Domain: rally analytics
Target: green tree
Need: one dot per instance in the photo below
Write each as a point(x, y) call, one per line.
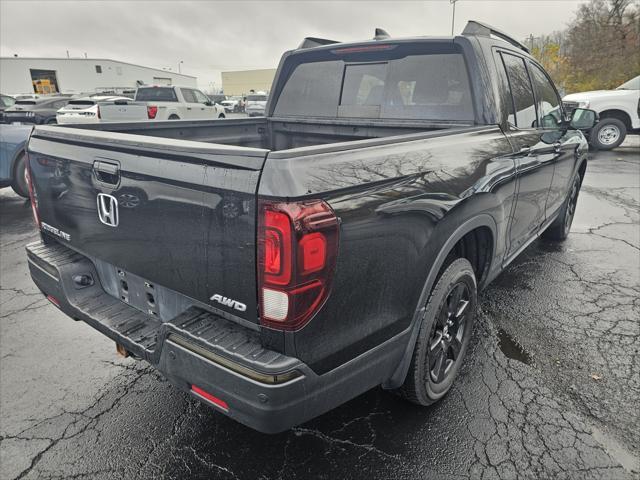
point(599, 50)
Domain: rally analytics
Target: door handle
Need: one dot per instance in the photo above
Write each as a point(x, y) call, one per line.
point(107, 172)
point(188, 108)
point(525, 149)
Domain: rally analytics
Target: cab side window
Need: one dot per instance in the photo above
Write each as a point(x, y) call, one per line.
point(188, 95)
point(549, 105)
point(200, 97)
point(521, 92)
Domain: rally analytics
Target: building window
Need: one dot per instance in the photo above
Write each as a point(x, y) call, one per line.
point(98, 68)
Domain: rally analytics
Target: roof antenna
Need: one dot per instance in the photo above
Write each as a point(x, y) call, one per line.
point(381, 34)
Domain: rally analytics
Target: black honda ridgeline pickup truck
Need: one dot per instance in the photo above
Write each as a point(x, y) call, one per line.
point(276, 267)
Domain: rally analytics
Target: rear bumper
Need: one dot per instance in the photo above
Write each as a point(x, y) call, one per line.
point(198, 348)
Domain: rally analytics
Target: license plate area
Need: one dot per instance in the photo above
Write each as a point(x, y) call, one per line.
point(137, 292)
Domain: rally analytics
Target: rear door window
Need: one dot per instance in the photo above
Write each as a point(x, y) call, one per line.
point(521, 92)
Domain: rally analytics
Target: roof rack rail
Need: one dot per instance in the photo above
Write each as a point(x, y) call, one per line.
point(482, 29)
point(311, 42)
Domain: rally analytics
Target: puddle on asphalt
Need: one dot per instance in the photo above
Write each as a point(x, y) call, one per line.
point(512, 349)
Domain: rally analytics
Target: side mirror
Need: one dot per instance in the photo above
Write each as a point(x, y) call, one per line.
point(208, 103)
point(583, 119)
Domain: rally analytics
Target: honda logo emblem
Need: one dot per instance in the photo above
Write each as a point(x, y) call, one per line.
point(108, 209)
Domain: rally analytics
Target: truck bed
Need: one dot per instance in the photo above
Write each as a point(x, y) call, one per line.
point(273, 134)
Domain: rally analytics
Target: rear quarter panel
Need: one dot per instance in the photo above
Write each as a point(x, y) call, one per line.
point(398, 204)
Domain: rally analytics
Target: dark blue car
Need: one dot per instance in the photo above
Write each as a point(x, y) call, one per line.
point(13, 139)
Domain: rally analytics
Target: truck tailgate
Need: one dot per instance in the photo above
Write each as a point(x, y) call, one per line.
point(175, 213)
point(123, 111)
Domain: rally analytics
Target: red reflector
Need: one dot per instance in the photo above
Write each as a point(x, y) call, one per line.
point(313, 248)
point(53, 300)
point(152, 111)
point(207, 396)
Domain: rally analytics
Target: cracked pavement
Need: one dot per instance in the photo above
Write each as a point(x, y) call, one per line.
point(565, 407)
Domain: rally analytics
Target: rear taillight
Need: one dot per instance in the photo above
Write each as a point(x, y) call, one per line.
point(297, 251)
point(98, 111)
point(152, 111)
point(33, 196)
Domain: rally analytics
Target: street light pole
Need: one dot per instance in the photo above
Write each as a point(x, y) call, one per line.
point(453, 18)
point(180, 63)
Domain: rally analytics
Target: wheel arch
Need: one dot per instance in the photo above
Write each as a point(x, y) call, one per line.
point(481, 221)
point(16, 156)
point(619, 114)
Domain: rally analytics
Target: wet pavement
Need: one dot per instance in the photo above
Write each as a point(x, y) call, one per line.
point(549, 388)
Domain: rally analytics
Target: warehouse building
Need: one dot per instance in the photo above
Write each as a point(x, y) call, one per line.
point(242, 82)
point(56, 75)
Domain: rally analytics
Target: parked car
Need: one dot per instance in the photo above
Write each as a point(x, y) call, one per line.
point(256, 104)
point(389, 182)
point(27, 96)
point(13, 140)
point(619, 112)
point(163, 103)
point(36, 111)
point(5, 102)
point(86, 109)
point(230, 106)
point(217, 98)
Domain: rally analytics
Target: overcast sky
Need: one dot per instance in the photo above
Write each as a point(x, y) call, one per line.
point(213, 36)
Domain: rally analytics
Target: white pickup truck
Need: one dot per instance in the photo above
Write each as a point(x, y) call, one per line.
point(619, 112)
point(162, 103)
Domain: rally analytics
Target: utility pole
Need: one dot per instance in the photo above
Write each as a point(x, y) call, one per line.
point(453, 18)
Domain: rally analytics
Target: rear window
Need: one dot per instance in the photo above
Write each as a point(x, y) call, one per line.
point(431, 86)
point(155, 94)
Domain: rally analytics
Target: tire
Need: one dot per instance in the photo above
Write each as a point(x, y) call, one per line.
point(19, 184)
point(221, 115)
point(435, 364)
point(608, 133)
point(559, 230)
point(51, 121)
point(173, 116)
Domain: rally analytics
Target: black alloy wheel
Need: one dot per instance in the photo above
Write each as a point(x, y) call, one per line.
point(444, 335)
point(570, 209)
point(448, 331)
point(561, 226)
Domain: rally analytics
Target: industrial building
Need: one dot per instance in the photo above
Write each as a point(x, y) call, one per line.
point(242, 82)
point(52, 75)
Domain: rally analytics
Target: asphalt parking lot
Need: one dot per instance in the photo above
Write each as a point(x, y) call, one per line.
point(549, 390)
